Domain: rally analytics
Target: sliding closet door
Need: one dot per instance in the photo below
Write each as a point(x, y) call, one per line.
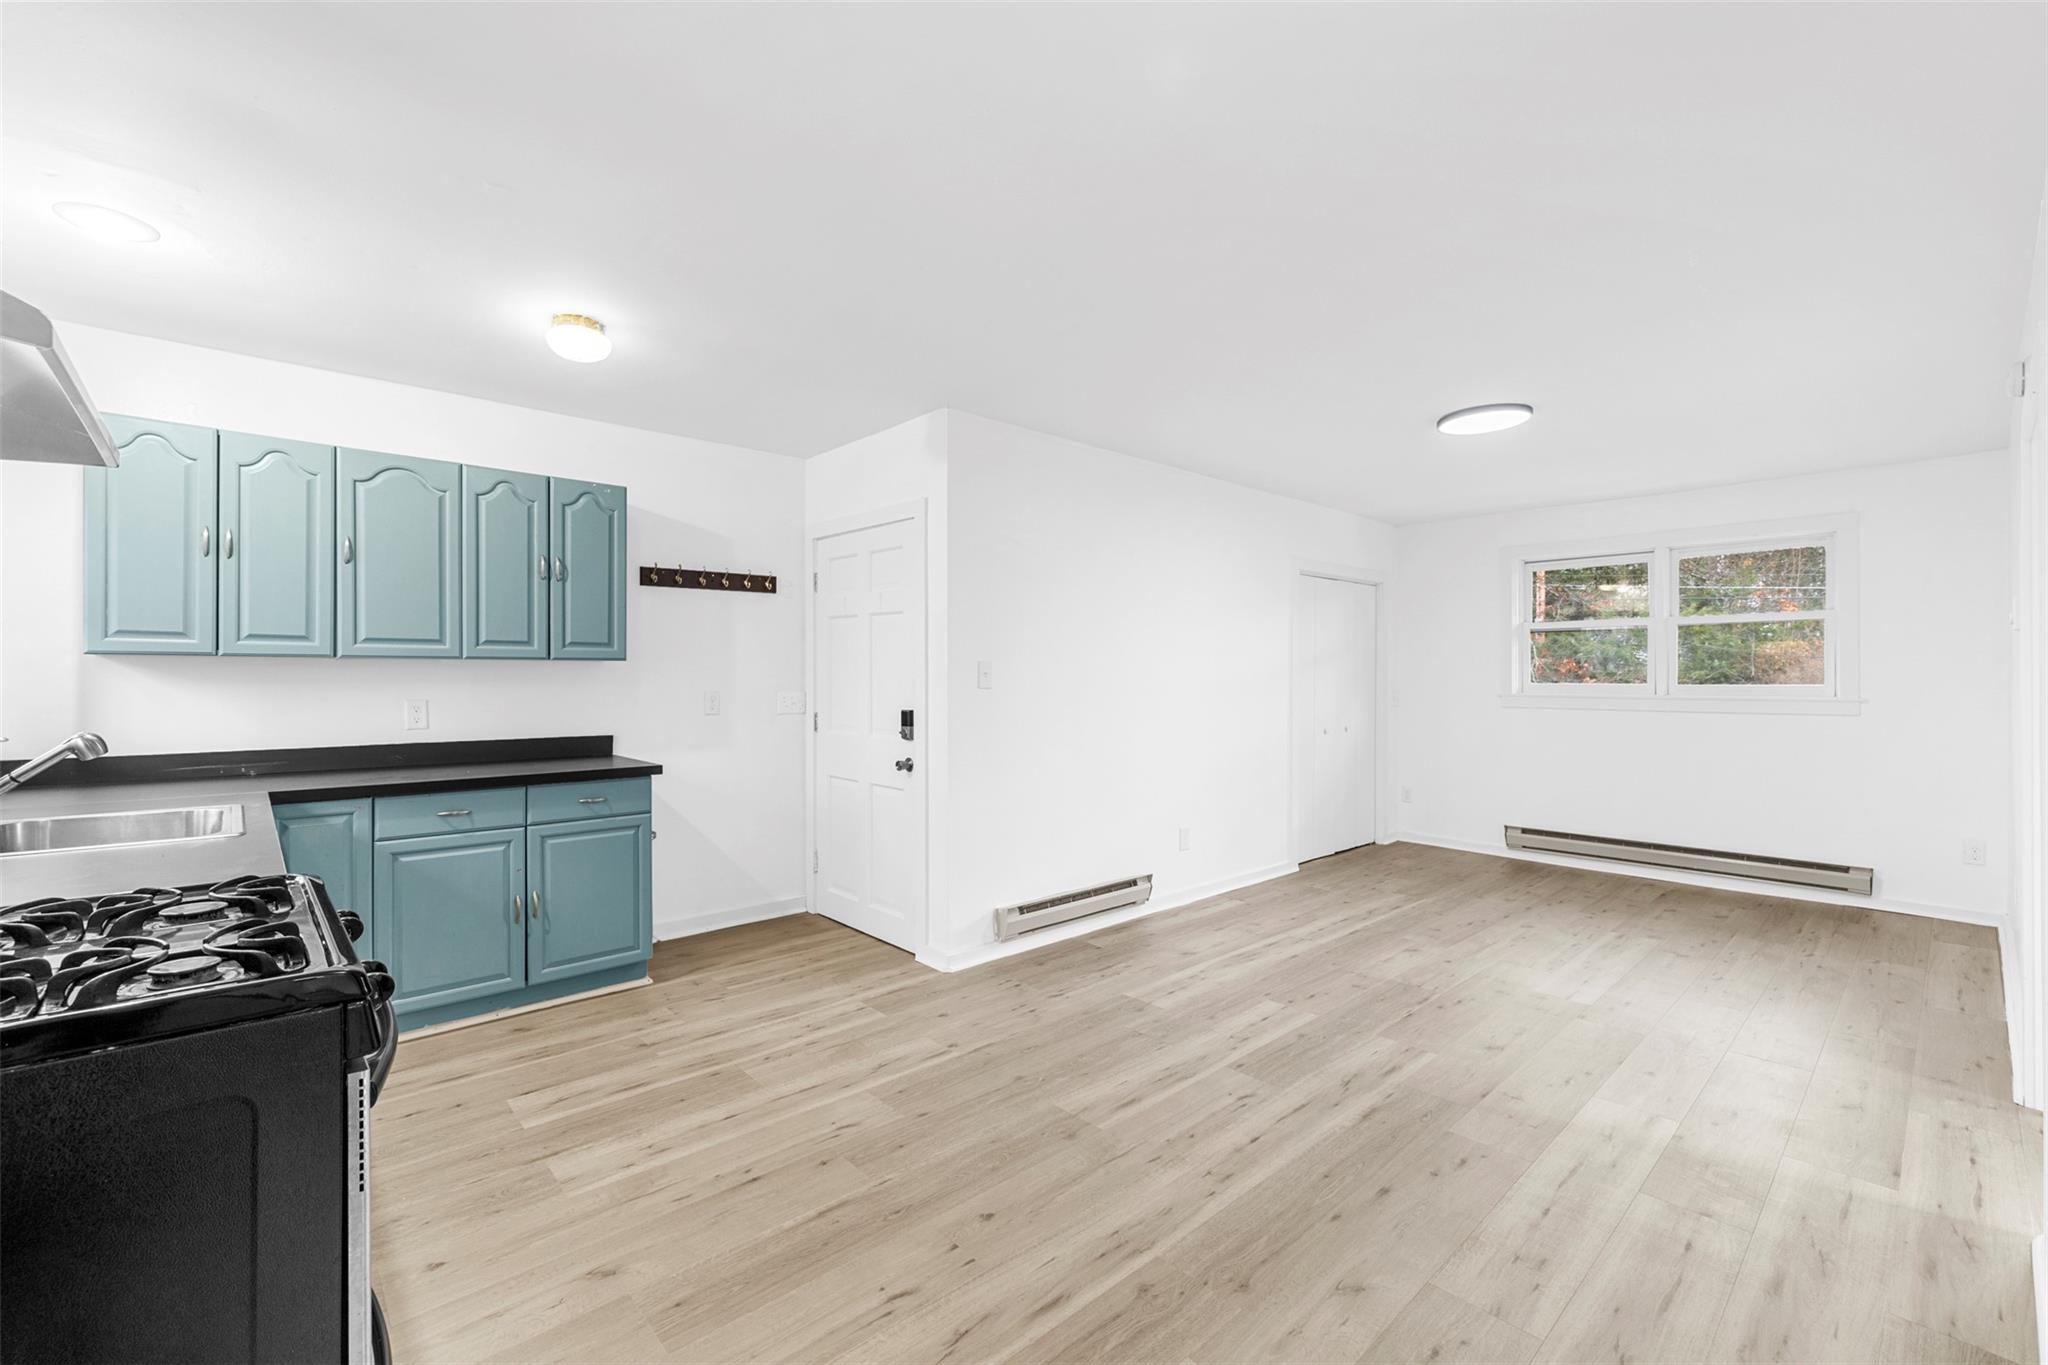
point(1336, 627)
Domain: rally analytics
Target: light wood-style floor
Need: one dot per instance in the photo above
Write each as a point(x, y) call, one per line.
point(1406, 1105)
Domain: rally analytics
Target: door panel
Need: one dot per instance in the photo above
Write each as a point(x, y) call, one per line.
point(277, 546)
point(506, 573)
point(869, 813)
point(400, 526)
point(331, 840)
point(587, 538)
point(1335, 780)
point(591, 897)
point(446, 921)
point(149, 541)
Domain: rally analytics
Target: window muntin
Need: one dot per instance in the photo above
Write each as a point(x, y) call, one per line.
point(1740, 619)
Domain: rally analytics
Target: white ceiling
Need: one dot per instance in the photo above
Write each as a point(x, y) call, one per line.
point(1269, 243)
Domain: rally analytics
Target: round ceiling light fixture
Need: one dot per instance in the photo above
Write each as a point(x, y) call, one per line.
point(1484, 418)
point(573, 336)
point(109, 225)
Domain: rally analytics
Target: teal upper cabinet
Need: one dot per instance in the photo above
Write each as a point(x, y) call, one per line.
point(215, 542)
point(399, 521)
point(276, 546)
point(587, 531)
point(149, 542)
point(331, 840)
point(592, 900)
point(506, 569)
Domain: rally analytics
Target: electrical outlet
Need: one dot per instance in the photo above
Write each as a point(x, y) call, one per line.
point(1186, 838)
point(789, 703)
point(415, 715)
point(711, 704)
point(1407, 795)
point(984, 675)
point(1974, 852)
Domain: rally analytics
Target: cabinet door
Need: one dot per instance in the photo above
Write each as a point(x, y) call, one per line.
point(506, 571)
point(149, 541)
point(331, 840)
point(449, 911)
point(399, 521)
point(587, 527)
point(592, 896)
point(276, 546)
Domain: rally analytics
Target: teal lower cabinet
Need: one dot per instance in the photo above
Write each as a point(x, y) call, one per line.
point(552, 896)
point(450, 913)
point(331, 840)
point(589, 886)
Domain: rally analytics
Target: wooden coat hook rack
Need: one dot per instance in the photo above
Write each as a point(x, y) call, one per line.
point(711, 580)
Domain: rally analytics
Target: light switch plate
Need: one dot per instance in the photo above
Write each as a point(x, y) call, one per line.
point(415, 715)
point(789, 703)
point(984, 675)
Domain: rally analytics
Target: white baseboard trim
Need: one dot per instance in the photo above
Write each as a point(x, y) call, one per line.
point(1953, 914)
point(682, 926)
point(989, 952)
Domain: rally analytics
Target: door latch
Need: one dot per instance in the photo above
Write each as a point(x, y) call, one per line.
point(904, 765)
point(908, 725)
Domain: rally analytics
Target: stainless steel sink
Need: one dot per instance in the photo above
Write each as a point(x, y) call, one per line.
point(118, 829)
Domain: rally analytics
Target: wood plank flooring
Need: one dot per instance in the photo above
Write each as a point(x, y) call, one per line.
point(1406, 1105)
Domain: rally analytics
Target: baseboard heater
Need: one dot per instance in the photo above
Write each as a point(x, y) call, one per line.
point(1791, 871)
point(1013, 920)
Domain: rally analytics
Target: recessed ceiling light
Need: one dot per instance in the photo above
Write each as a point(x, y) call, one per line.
point(1484, 418)
point(573, 336)
point(109, 225)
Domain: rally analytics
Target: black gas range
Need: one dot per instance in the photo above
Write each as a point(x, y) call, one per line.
point(188, 1074)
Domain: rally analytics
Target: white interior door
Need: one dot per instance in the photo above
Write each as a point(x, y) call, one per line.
point(1336, 630)
point(868, 799)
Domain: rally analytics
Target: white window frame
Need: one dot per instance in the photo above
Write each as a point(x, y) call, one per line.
point(1839, 694)
point(1528, 628)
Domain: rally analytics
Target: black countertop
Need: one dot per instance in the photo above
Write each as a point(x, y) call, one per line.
point(254, 780)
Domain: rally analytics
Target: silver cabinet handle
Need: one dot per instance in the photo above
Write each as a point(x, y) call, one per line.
point(543, 568)
point(536, 909)
point(590, 800)
point(558, 568)
point(205, 541)
point(450, 814)
point(515, 907)
point(227, 543)
point(348, 549)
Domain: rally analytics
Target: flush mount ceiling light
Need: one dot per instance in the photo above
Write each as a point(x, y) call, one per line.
point(573, 336)
point(109, 225)
point(1484, 418)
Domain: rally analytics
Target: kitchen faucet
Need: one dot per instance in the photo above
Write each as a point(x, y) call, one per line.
point(83, 746)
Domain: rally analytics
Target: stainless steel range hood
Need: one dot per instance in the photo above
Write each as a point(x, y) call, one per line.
point(45, 413)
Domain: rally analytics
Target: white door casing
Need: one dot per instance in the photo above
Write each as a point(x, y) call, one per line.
point(868, 793)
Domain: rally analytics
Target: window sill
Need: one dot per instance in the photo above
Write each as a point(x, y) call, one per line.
point(1753, 706)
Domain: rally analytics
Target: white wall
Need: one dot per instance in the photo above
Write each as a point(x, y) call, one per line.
point(728, 809)
point(1137, 620)
point(1899, 787)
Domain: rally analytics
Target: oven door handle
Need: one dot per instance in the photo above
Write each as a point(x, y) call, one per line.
point(383, 986)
